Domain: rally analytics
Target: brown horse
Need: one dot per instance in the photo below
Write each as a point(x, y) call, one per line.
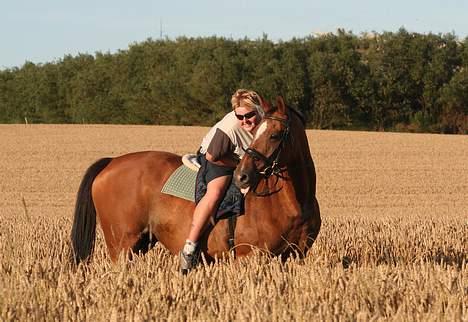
point(281, 211)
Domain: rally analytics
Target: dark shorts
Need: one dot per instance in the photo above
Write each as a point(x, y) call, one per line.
point(233, 200)
point(212, 171)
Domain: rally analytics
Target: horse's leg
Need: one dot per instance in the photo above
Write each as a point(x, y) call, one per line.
point(124, 236)
point(122, 210)
point(146, 241)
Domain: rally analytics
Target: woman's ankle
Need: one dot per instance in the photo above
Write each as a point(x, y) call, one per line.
point(190, 247)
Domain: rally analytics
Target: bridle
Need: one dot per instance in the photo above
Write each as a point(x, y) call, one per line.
point(271, 164)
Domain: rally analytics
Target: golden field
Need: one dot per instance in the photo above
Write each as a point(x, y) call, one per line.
point(394, 208)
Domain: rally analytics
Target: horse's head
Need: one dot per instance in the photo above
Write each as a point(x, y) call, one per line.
point(266, 154)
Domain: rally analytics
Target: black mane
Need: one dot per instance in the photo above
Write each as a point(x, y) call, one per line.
point(299, 114)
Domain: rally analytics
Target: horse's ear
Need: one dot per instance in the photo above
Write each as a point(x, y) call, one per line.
point(264, 104)
point(280, 105)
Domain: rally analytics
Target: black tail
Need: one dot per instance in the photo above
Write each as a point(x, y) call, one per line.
point(84, 223)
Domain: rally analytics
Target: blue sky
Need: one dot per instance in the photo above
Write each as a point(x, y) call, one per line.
point(46, 30)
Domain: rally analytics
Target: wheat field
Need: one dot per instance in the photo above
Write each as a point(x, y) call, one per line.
point(393, 244)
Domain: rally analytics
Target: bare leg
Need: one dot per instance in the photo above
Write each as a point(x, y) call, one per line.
point(207, 206)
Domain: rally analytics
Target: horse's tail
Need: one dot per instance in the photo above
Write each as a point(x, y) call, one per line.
point(84, 222)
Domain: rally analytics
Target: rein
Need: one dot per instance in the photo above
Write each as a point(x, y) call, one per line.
point(271, 163)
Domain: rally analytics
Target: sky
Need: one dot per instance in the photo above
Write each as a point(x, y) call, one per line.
point(46, 30)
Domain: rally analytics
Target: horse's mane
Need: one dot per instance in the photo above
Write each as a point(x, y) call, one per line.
point(298, 114)
point(290, 111)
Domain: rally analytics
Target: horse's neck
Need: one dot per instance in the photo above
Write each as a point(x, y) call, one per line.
point(301, 176)
point(296, 176)
point(291, 193)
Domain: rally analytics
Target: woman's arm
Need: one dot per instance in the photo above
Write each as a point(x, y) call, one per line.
point(228, 160)
point(220, 150)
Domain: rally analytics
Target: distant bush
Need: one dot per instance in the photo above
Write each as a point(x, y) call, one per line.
point(389, 81)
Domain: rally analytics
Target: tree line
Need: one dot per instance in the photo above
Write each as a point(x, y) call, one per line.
point(398, 81)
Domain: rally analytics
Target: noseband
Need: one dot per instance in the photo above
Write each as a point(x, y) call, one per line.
point(271, 163)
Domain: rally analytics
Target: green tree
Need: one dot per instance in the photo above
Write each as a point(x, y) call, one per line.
point(332, 68)
point(443, 60)
point(454, 102)
point(294, 84)
point(8, 109)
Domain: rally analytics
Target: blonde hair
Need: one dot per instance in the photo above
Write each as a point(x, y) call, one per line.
point(247, 98)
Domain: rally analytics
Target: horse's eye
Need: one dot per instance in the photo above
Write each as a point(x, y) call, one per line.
point(275, 136)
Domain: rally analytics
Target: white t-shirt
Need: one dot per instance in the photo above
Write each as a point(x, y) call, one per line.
point(226, 137)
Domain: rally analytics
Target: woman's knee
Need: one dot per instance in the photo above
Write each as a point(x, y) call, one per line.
point(217, 187)
point(214, 193)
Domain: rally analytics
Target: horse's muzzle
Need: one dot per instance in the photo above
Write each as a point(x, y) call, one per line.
point(244, 179)
point(241, 180)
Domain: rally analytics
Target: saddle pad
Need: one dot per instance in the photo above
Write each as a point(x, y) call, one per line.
point(181, 183)
point(191, 161)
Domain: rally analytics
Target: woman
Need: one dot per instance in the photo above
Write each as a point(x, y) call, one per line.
point(221, 151)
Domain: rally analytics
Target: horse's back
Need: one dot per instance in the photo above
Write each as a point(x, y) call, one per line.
point(154, 166)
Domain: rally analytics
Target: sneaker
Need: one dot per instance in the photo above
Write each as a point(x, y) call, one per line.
point(188, 261)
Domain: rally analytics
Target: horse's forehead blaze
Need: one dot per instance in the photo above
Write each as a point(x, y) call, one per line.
point(261, 129)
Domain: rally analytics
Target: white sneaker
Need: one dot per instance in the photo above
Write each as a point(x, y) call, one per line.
point(188, 261)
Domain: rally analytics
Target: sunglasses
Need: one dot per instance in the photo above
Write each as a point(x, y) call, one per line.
point(246, 115)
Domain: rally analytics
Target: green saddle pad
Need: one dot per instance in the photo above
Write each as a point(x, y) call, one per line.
point(181, 183)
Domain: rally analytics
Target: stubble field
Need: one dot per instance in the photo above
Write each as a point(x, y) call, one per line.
point(394, 209)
